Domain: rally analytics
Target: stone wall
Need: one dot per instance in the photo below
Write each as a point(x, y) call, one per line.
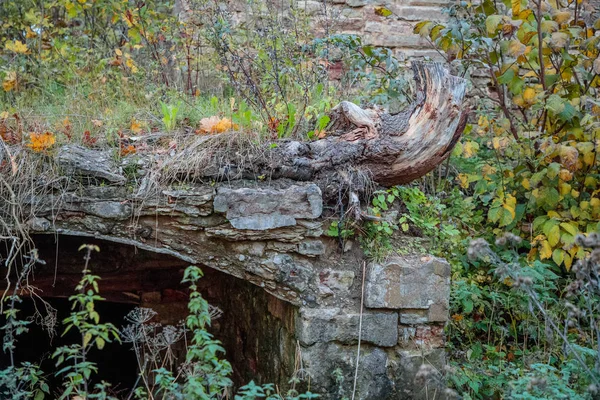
point(269, 234)
point(359, 17)
point(396, 31)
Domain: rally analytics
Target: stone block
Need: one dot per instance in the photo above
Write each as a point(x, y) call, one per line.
point(422, 336)
point(414, 317)
point(408, 282)
point(37, 224)
point(333, 325)
point(419, 13)
point(406, 367)
point(263, 209)
point(108, 209)
point(80, 161)
point(438, 313)
point(321, 359)
point(311, 248)
point(336, 280)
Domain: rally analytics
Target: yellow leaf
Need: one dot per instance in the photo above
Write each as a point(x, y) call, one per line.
point(470, 149)
point(518, 100)
point(500, 143)
point(41, 141)
point(10, 81)
point(224, 125)
point(526, 184)
point(553, 214)
point(568, 260)
point(86, 339)
point(30, 34)
point(545, 250)
point(118, 52)
point(516, 7)
point(568, 157)
point(516, 48)
point(562, 17)
point(549, 26)
point(463, 180)
point(135, 126)
point(529, 95)
point(131, 65)
point(564, 188)
point(554, 235)
point(565, 175)
point(16, 46)
point(589, 158)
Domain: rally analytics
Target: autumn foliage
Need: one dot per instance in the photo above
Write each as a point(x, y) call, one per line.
point(531, 158)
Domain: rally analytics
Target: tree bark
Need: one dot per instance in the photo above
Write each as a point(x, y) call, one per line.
point(389, 148)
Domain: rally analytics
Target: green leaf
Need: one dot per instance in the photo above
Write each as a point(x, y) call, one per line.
point(558, 256)
point(492, 22)
point(570, 227)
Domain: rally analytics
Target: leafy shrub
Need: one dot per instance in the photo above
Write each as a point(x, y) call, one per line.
point(531, 160)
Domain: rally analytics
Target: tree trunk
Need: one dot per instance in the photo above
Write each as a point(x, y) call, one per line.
point(390, 149)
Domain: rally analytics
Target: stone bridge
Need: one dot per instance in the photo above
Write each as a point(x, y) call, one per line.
point(295, 302)
point(291, 295)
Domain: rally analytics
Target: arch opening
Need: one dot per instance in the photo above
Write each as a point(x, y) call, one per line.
point(255, 328)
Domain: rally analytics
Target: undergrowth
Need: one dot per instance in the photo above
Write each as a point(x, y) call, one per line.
point(204, 374)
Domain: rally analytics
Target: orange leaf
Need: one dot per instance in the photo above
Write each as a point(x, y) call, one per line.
point(214, 124)
point(136, 126)
point(41, 141)
point(130, 149)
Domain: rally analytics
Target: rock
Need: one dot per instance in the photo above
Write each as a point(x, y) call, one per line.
point(438, 313)
point(263, 209)
point(288, 234)
point(37, 224)
point(322, 359)
point(328, 325)
point(422, 336)
point(194, 196)
point(414, 317)
point(79, 161)
point(336, 280)
point(108, 209)
point(311, 248)
point(358, 3)
point(408, 282)
point(406, 368)
point(292, 273)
